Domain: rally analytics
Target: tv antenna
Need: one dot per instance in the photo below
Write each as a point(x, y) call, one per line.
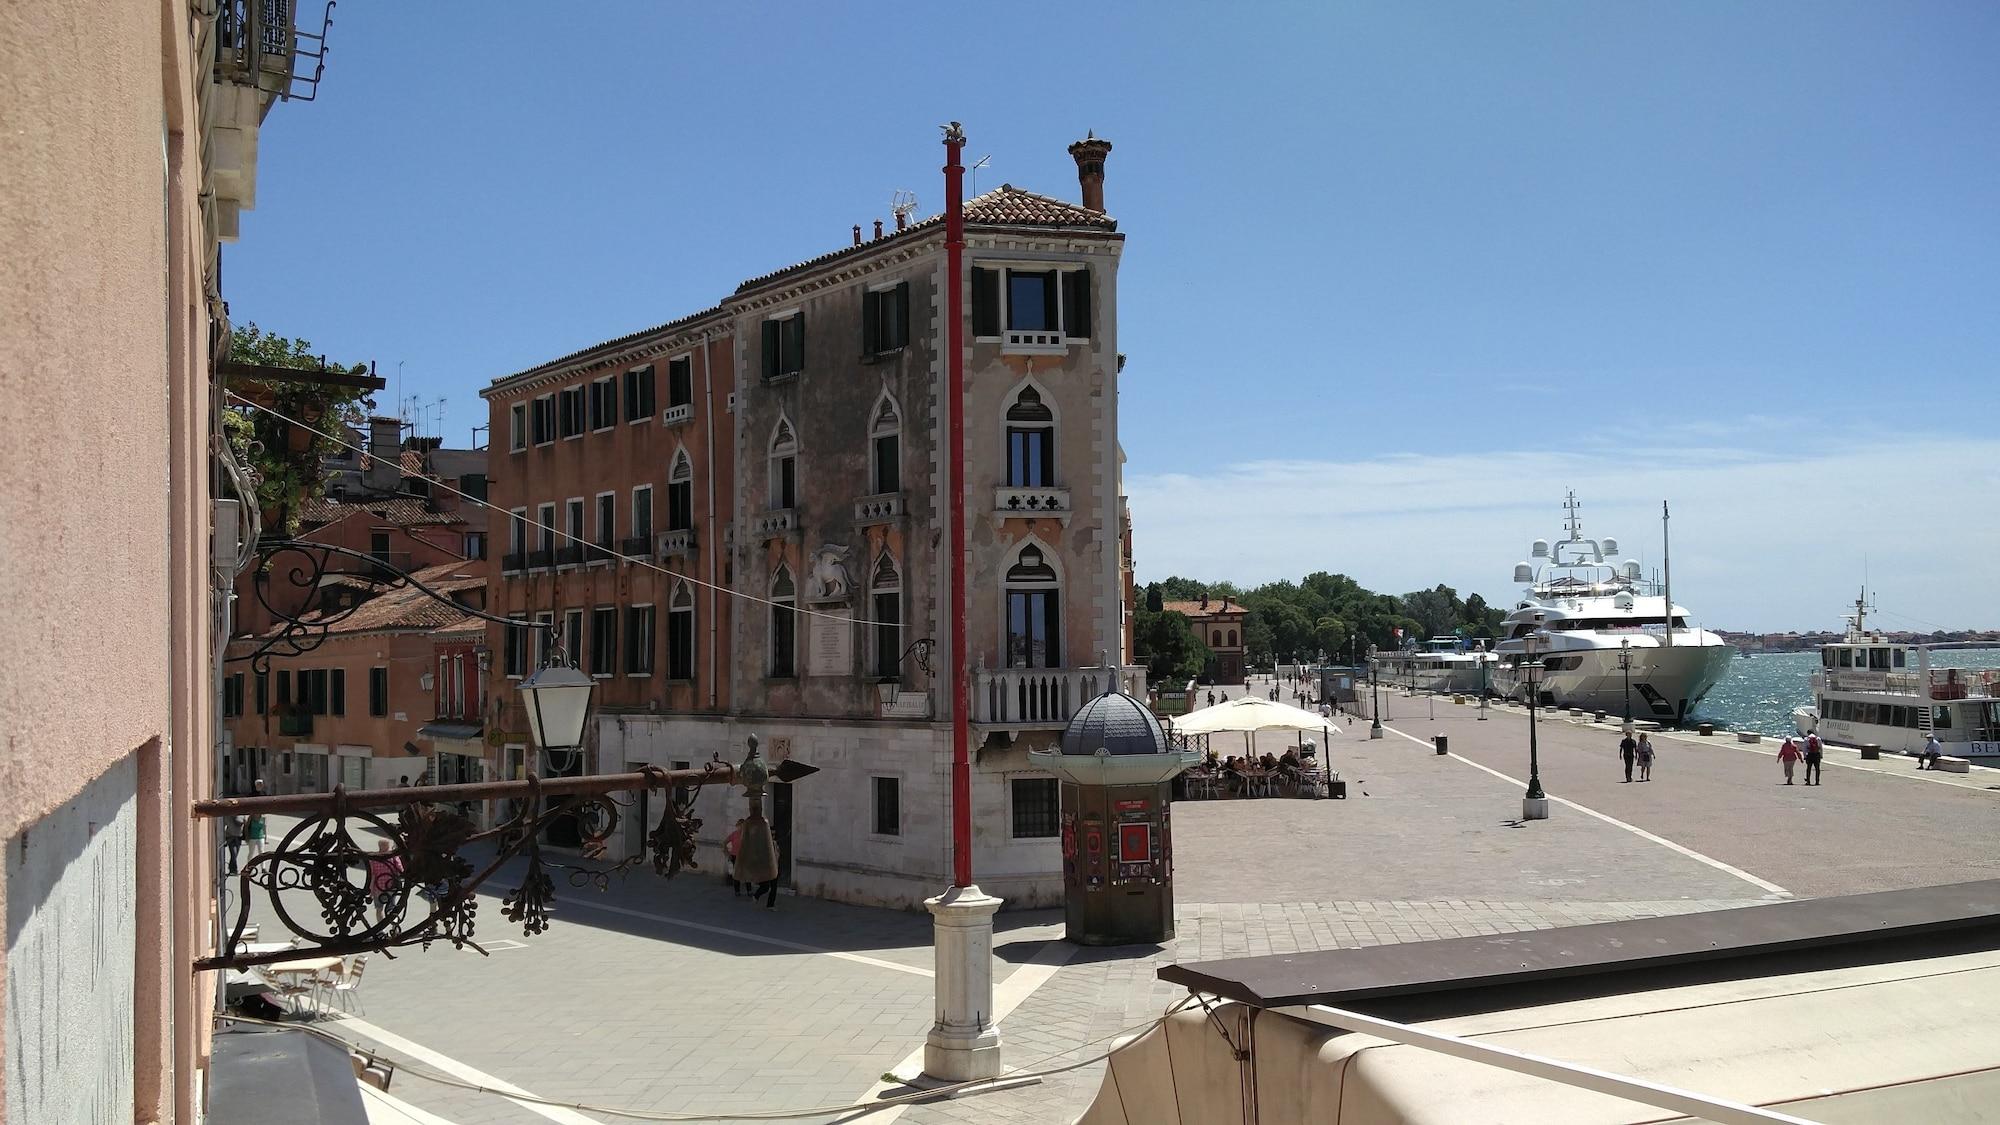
point(976, 166)
point(902, 204)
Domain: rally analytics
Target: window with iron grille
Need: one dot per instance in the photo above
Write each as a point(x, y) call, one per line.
point(1037, 807)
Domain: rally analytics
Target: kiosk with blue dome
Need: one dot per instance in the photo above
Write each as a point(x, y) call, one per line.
point(1117, 770)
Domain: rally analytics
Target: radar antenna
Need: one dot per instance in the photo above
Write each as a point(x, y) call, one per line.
point(1572, 521)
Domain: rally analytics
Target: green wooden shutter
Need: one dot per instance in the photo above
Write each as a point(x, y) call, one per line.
point(795, 342)
point(985, 302)
point(770, 349)
point(1076, 303)
point(902, 333)
point(871, 321)
point(1052, 299)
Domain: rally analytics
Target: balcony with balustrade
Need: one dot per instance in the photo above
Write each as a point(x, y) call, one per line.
point(1032, 503)
point(1017, 699)
point(677, 544)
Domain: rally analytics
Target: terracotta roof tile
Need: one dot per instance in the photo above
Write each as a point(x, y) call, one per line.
point(411, 608)
point(403, 511)
point(1216, 606)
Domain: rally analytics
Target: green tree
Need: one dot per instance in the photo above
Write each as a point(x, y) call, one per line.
point(1154, 601)
point(1178, 589)
point(1166, 643)
point(285, 459)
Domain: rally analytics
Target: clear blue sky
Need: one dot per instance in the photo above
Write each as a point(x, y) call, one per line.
point(1396, 273)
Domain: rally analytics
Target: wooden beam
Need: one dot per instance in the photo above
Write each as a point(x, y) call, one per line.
point(325, 377)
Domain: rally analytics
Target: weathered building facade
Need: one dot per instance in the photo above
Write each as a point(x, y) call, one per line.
point(821, 483)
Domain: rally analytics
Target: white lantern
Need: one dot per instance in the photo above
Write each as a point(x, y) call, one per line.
point(558, 701)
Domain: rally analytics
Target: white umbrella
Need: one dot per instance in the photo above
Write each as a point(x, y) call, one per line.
point(1251, 714)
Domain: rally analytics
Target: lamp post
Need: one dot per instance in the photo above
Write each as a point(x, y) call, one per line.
point(1374, 695)
point(1625, 667)
point(1536, 804)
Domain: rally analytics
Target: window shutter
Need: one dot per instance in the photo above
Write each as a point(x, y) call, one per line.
point(1052, 299)
point(902, 334)
point(1076, 303)
point(985, 302)
point(770, 349)
point(339, 691)
point(871, 322)
point(795, 342)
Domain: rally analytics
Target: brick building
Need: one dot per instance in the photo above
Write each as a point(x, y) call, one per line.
point(738, 516)
point(1219, 624)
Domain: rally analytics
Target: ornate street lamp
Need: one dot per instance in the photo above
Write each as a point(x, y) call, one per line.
point(1625, 666)
point(1536, 804)
point(1374, 695)
point(557, 698)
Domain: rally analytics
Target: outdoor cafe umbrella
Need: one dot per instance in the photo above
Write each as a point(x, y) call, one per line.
point(1250, 714)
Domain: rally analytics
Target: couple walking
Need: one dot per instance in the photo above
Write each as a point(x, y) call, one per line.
point(1789, 755)
point(1638, 753)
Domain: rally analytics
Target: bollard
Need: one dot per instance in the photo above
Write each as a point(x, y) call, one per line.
point(1600, 715)
point(1439, 741)
point(1749, 736)
point(1705, 729)
point(1870, 752)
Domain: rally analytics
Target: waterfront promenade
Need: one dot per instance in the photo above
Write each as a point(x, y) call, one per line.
point(670, 996)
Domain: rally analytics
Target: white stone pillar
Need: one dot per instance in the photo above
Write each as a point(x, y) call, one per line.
point(964, 1044)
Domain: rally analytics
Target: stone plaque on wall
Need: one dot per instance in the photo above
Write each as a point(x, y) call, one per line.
point(830, 647)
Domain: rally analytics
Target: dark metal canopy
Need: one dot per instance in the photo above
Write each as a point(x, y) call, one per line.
point(1117, 723)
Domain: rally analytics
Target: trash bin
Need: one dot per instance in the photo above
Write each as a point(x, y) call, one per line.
point(1439, 741)
point(1871, 752)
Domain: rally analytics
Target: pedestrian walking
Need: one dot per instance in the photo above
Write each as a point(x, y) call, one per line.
point(1933, 750)
point(1645, 758)
point(729, 847)
point(1211, 699)
point(1814, 753)
point(1628, 751)
point(255, 829)
point(1788, 757)
point(232, 838)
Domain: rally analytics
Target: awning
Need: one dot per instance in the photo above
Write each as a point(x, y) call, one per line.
point(451, 730)
point(277, 1076)
point(1249, 713)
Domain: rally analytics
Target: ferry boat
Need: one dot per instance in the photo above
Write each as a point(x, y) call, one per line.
point(1604, 636)
point(1874, 691)
point(1447, 664)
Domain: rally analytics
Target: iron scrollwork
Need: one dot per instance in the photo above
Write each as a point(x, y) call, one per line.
point(339, 895)
point(292, 584)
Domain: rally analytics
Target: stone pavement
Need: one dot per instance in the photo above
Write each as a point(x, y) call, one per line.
point(673, 997)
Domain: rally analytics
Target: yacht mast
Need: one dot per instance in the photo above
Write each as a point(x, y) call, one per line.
point(1667, 568)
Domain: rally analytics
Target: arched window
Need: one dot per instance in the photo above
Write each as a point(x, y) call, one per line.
point(784, 466)
point(784, 624)
point(1034, 612)
point(680, 493)
point(1215, 639)
point(886, 588)
point(680, 633)
point(1031, 442)
point(1232, 638)
point(886, 447)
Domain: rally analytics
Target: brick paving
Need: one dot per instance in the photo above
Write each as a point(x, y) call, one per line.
point(657, 995)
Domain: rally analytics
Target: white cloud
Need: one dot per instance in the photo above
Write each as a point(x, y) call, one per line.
point(1772, 528)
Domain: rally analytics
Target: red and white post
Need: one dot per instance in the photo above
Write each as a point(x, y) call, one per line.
point(964, 1043)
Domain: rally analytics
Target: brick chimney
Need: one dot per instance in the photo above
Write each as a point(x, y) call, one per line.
point(384, 471)
point(1090, 153)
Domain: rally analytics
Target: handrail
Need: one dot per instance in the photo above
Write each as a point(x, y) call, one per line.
point(1639, 1090)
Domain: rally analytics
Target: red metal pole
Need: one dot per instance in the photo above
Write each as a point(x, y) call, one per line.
point(961, 673)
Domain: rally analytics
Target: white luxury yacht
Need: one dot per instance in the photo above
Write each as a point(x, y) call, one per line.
point(1587, 610)
point(1448, 664)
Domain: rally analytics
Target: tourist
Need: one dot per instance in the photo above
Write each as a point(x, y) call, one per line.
point(1326, 711)
point(729, 846)
point(1211, 699)
point(254, 830)
point(1933, 750)
point(383, 869)
point(1788, 757)
point(1814, 753)
point(1628, 751)
point(232, 838)
point(1645, 758)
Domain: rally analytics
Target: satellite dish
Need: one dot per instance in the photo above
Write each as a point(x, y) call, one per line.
point(1541, 549)
point(1611, 546)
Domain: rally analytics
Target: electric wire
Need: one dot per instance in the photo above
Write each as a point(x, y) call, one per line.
point(560, 533)
point(858, 1108)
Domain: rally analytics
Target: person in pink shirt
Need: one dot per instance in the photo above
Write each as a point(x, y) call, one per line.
point(1788, 757)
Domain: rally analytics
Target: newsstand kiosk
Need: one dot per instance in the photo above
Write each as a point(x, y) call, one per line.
point(1117, 774)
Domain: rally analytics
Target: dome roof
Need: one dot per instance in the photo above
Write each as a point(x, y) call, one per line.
point(1118, 723)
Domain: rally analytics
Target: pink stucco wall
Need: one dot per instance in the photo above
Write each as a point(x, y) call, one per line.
point(103, 478)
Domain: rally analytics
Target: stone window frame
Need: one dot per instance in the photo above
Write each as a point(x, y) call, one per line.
point(787, 601)
point(681, 600)
point(885, 407)
point(1008, 424)
point(784, 444)
point(877, 587)
point(875, 809)
point(680, 471)
point(1007, 586)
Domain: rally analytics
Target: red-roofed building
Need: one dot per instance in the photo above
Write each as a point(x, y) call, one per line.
point(738, 517)
point(1219, 624)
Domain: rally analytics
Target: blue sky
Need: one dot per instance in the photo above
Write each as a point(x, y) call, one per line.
point(1396, 275)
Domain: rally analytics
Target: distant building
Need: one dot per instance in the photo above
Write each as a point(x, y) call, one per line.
point(1219, 624)
point(738, 518)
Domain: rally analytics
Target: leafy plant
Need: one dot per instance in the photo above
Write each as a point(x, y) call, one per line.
point(285, 459)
